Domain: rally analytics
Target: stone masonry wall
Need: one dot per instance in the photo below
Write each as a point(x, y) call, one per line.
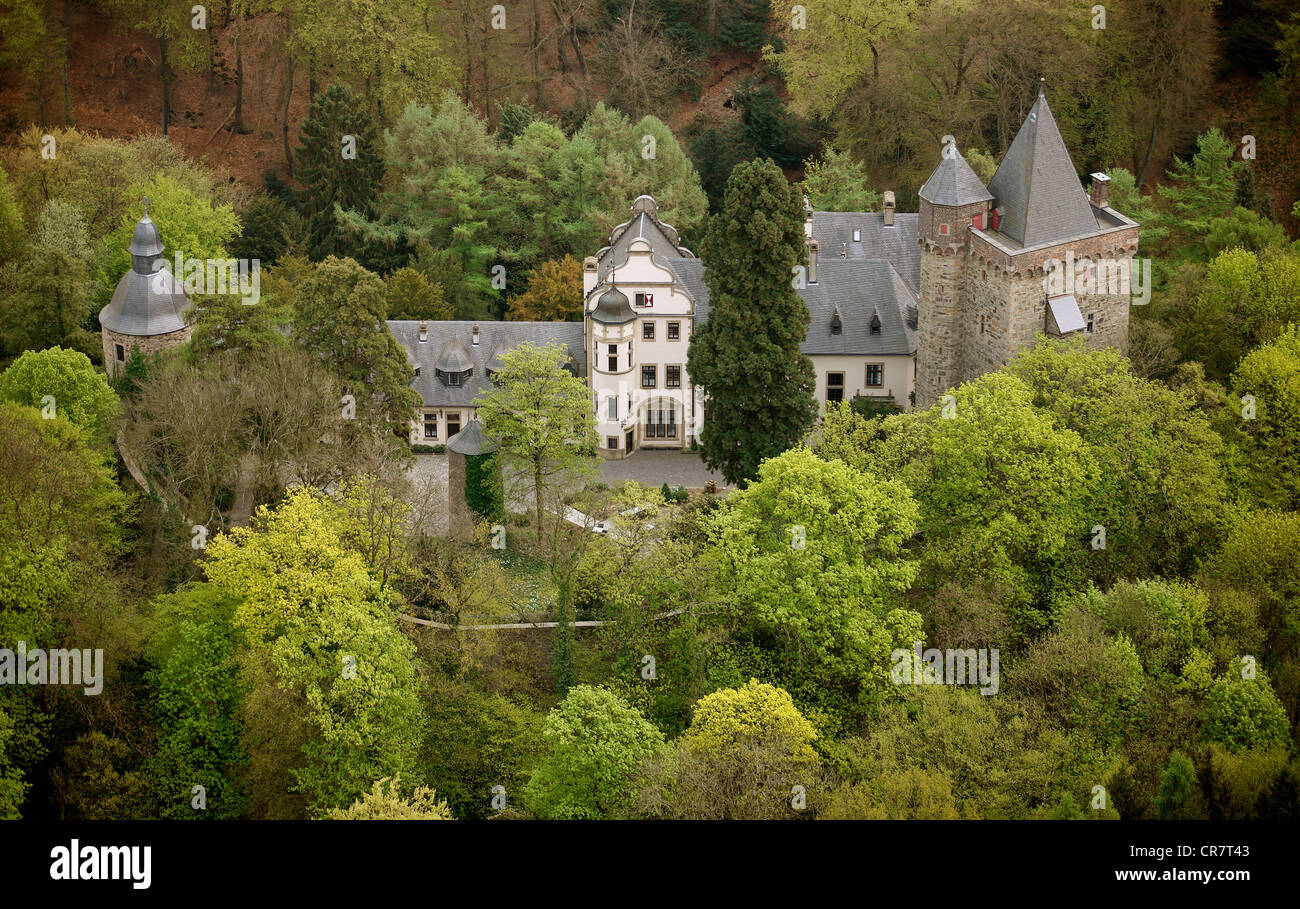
point(147, 345)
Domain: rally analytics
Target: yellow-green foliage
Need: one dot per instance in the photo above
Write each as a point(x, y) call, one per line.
point(387, 803)
point(728, 721)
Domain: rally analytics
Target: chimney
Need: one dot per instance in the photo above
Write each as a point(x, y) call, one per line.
point(475, 335)
point(812, 263)
point(889, 208)
point(424, 331)
point(1100, 190)
point(807, 218)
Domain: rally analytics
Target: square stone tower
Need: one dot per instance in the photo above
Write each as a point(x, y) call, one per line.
point(1032, 254)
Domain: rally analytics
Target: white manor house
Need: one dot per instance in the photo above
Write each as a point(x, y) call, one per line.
point(645, 293)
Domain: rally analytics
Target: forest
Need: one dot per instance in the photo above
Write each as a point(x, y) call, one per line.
point(284, 636)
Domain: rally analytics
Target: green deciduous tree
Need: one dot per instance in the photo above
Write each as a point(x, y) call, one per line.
point(196, 697)
point(836, 182)
point(1004, 495)
point(388, 803)
point(49, 289)
point(1271, 376)
point(744, 754)
point(597, 744)
point(541, 416)
point(412, 296)
point(79, 391)
point(1243, 714)
point(811, 564)
point(323, 628)
point(1161, 490)
point(188, 223)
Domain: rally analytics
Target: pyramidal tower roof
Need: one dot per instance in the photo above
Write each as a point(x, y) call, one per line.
point(1037, 187)
point(471, 440)
point(954, 183)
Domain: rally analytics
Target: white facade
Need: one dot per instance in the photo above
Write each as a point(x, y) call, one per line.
point(885, 378)
point(642, 394)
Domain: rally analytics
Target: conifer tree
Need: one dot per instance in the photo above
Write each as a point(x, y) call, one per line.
point(758, 384)
point(339, 165)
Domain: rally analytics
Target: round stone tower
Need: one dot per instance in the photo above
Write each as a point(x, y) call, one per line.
point(950, 201)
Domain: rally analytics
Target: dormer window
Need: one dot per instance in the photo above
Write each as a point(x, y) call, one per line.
point(417, 372)
point(857, 235)
point(875, 323)
point(837, 324)
point(454, 379)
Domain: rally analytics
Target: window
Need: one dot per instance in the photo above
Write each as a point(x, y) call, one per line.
point(430, 426)
point(417, 371)
point(875, 375)
point(981, 325)
point(674, 331)
point(611, 442)
point(875, 323)
point(661, 420)
point(857, 235)
point(1090, 315)
point(649, 376)
point(672, 377)
point(644, 299)
point(613, 408)
point(453, 378)
point(613, 358)
point(120, 352)
point(647, 331)
point(834, 386)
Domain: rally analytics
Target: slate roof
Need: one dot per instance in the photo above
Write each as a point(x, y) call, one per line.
point(146, 301)
point(857, 288)
point(470, 441)
point(643, 226)
point(613, 308)
point(1037, 188)
point(146, 305)
point(494, 337)
point(145, 240)
point(833, 232)
point(954, 183)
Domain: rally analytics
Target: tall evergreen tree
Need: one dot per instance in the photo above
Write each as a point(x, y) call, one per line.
point(337, 171)
point(758, 385)
point(338, 317)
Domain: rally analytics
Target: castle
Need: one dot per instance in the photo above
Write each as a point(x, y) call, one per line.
point(986, 253)
point(903, 306)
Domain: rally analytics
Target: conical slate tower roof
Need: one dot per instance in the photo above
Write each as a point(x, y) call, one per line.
point(1037, 187)
point(954, 183)
point(470, 441)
